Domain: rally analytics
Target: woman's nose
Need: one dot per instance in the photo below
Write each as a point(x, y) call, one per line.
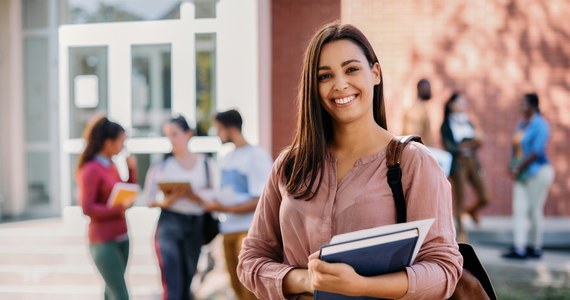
point(340, 83)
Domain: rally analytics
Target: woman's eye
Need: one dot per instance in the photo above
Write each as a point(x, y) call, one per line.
point(351, 70)
point(324, 76)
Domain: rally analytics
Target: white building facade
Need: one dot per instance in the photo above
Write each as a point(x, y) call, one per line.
point(138, 62)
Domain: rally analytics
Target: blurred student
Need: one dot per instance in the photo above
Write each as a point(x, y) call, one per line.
point(178, 238)
point(460, 138)
point(96, 177)
point(416, 118)
point(244, 172)
point(533, 175)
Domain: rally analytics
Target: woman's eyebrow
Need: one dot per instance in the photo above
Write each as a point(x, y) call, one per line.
point(349, 61)
point(342, 64)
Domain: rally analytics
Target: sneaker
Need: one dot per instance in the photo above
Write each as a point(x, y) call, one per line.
point(513, 253)
point(532, 252)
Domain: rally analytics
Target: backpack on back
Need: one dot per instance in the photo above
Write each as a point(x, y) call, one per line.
point(474, 282)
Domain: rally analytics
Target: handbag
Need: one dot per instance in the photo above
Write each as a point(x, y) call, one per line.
point(210, 228)
point(474, 282)
point(210, 224)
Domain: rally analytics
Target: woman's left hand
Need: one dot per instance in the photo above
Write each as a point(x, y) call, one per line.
point(213, 206)
point(334, 277)
point(194, 197)
point(515, 172)
point(131, 162)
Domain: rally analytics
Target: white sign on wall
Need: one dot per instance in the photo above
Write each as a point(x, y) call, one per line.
point(86, 91)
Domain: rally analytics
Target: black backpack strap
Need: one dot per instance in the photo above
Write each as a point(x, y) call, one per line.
point(393, 155)
point(207, 169)
point(478, 283)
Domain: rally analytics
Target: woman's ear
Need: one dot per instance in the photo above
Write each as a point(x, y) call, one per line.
point(189, 134)
point(107, 144)
point(377, 73)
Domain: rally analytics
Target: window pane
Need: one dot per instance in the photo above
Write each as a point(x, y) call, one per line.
point(205, 81)
point(151, 89)
point(144, 162)
point(86, 61)
point(36, 89)
point(102, 11)
point(38, 178)
point(205, 9)
point(35, 14)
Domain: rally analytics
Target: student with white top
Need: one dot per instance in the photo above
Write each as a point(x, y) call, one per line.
point(244, 173)
point(178, 238)
point(462, 139)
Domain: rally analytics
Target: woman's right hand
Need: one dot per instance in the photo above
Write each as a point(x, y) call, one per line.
point(131, 163)
point(169, 200)
point(128, 204)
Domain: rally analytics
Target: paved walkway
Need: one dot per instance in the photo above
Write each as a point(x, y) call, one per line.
point(547, 278)
point(49, 259)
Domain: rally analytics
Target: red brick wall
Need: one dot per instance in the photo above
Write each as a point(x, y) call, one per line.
point(493, 50)
point(292, 25)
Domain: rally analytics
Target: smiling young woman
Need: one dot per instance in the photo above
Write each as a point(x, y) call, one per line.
point(332, 180)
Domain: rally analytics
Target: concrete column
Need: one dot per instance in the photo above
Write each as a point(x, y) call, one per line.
point(3, 99)
point(12, 151)
point(264, 72)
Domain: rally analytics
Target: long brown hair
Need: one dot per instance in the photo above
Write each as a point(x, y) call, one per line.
point(98, 130)
point(303, 162)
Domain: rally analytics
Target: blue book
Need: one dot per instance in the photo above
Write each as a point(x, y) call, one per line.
point(376, 251)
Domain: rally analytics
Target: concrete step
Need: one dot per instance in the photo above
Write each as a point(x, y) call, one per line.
point(80, 274)
point(78, 258)
point(68, 292)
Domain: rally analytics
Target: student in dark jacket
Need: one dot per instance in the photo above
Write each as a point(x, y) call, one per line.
point(460, 137)
point(96, 176)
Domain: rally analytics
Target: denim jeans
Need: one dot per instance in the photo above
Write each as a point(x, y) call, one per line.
point(111, 261)
point(178, 242)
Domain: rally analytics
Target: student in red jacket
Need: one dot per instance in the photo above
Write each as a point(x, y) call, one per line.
point(96, 176)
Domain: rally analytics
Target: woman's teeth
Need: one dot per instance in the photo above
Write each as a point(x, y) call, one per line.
point(345, 100)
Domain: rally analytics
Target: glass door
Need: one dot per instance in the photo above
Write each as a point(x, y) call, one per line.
point(140, 73)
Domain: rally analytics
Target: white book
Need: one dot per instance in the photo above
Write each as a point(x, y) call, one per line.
point(368, 242)
point(422, 227)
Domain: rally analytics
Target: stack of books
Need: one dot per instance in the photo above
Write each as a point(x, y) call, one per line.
point(375, 251)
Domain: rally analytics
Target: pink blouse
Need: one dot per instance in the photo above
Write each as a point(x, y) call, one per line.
point(285, 231)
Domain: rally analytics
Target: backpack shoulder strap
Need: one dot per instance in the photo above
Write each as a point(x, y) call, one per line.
point(207, 169)
point(475, 282)
point(393, 155)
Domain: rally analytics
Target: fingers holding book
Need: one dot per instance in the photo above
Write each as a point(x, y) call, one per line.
point(173, 191)
point(337, 278)
point(123, 195)
point(213, 206)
